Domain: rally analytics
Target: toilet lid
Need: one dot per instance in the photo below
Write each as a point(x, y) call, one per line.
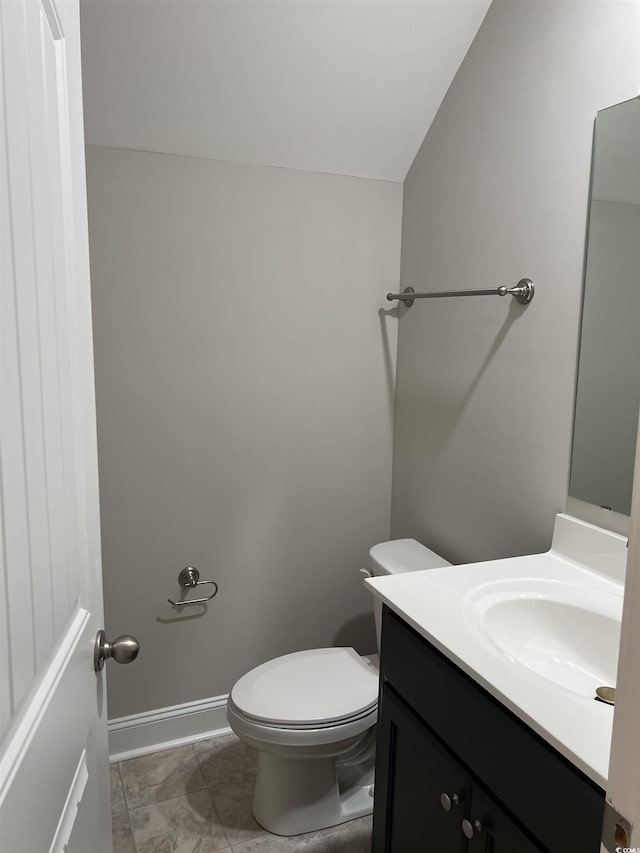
point(317, 687)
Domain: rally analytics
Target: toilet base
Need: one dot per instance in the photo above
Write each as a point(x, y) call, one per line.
point(293, 796)
point(297, 795)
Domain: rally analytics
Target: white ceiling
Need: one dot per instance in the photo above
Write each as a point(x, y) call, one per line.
point(343, 86)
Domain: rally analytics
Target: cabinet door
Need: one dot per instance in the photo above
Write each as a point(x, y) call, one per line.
point(412, 772)
point(496, 832)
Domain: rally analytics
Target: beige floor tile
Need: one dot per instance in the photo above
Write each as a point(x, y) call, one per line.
point(351, 837)
point(172, 812)
point(122, 835)
point(309, 843)
point(229, 768)
point(234, 809)
point(161, 776)
point(118, 804)
point(226, 763)
point(183, 825)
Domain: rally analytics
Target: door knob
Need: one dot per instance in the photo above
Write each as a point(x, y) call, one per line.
point(471, 828)
point(449, 801)
point(123, 649)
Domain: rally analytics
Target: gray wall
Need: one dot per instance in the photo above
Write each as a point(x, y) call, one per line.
point(499, 191)
point(245, 399)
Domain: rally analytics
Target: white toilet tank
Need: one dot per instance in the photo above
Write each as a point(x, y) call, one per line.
point(395, 557)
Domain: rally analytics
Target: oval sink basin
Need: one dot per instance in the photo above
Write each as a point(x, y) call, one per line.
point(571, 646)
point(571, 642)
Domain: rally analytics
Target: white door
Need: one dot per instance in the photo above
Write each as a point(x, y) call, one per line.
point(53, 751)
point(623, 789)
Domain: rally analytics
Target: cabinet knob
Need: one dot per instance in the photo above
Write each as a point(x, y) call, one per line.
point(449, 801)
point(471, 828)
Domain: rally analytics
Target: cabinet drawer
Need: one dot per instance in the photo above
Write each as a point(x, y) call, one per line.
point(557, 803)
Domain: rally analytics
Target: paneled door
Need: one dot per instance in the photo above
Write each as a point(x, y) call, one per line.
point(53, 749)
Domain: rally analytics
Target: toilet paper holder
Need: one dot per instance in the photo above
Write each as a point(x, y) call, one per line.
point(188, 578)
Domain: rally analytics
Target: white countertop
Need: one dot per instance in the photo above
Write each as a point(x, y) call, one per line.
point(441, 605)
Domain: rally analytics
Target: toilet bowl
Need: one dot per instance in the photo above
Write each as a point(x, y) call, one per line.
point(311, 715)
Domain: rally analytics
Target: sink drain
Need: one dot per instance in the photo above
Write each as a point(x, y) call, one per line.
point(606, 694)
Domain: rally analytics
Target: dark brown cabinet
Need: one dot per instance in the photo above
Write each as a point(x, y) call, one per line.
point(456, 772)
point(497, 831)
point(418, 772)
point(434, 799)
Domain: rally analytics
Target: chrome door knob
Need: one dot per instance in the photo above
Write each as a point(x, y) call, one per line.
point(123, 649)
point(449, 801)
point(471, 828)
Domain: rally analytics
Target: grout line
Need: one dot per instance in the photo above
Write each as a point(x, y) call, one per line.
point(126, 806)
point(124, 791)
point(130, 807)
point(133, 837)
point(181, 795)
point(323, 842)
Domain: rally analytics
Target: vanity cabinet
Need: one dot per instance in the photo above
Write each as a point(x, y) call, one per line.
point(449, 754)
point(432, 794)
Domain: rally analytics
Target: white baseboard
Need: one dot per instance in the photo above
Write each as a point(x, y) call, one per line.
point(165, 728)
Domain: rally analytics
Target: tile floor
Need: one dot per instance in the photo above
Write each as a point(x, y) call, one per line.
point(197, 799)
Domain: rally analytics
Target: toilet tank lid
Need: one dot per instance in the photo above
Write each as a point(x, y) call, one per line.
point(403, 555)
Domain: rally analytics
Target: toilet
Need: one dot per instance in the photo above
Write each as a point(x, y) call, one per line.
point(311, 715)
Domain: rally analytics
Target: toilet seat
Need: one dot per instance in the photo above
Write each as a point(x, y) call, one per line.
point(303, 741)
point(309, 690)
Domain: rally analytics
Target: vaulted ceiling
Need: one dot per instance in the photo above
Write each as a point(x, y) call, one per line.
point(343, 86)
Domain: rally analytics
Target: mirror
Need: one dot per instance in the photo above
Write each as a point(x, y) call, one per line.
point(608, 388)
